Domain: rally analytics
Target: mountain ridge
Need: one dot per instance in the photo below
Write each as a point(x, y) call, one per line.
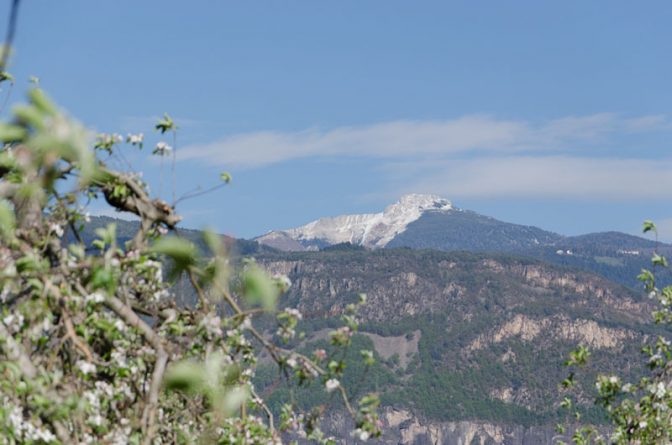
point(437, 224)
point(384, 229)
point(373, 230)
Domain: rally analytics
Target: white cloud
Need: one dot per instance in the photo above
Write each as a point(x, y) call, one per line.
point(391, 139)
point(547, 177)
point(429, 139)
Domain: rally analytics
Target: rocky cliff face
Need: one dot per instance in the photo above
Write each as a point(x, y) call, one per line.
point(404, 283)
point(404, 428)
point(401, 427)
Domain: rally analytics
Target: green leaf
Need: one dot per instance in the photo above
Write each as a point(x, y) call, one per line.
point(367, 357)
point(103, 278)
point(42, 102)
point(259, 288)
point(5, 76)
point(29, 115)
point(12, 133)
point(566, 403)
point(7, 220)
point(213, 241)
point(579, 357)
point(165, 124)
point(185, 376)
point(234, 399)
point(226, 177)
point(30, 263)
point(646, 277)
point(106, 236)
point(648, 226)
point(182, 252)
point(658, 260)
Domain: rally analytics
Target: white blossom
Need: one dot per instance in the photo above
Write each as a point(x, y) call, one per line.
point(162, 149)
point(56, 229)
point(96, 419)
point(361, 434)
point(118, 356)
point(14, 322)
point(332, 384)
point(86, 367)
point(105, 388)
point(135, 139)
point(212, 324)
point(95, 297)
point(294, 313)
point(660, 390)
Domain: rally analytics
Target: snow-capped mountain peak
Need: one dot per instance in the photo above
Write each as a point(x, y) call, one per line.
point(370, 230)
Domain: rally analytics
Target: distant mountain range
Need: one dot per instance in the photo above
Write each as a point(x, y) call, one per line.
point(469, 345)
point(432, 222)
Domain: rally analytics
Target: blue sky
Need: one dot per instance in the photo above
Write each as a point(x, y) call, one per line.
point(556, 114)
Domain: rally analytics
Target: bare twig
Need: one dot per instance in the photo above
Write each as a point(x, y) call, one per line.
point(174, 161)
point(198, 192)
point(9, 37)
point(266, 410)
point(201, 295)
point(72, 335)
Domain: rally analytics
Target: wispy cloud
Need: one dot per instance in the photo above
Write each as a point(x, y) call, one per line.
point(428, 139)
point(545, 177)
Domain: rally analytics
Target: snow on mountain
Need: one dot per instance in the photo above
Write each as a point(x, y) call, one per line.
point(370, 230)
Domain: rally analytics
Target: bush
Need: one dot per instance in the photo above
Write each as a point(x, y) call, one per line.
point(93, 347)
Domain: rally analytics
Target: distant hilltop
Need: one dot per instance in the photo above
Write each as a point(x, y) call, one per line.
point(373, 230)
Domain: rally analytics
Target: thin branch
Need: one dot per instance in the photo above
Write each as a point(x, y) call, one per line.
point(344, 396)
point(7, 96)
point(198, 192)
point(201, 295)
point(174, 160)
point(265, 408)
point(72, 335)
point(9, 37)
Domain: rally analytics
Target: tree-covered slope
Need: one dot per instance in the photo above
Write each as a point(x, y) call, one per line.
point(467, 230)
point(615, 255)
point(479, 336)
